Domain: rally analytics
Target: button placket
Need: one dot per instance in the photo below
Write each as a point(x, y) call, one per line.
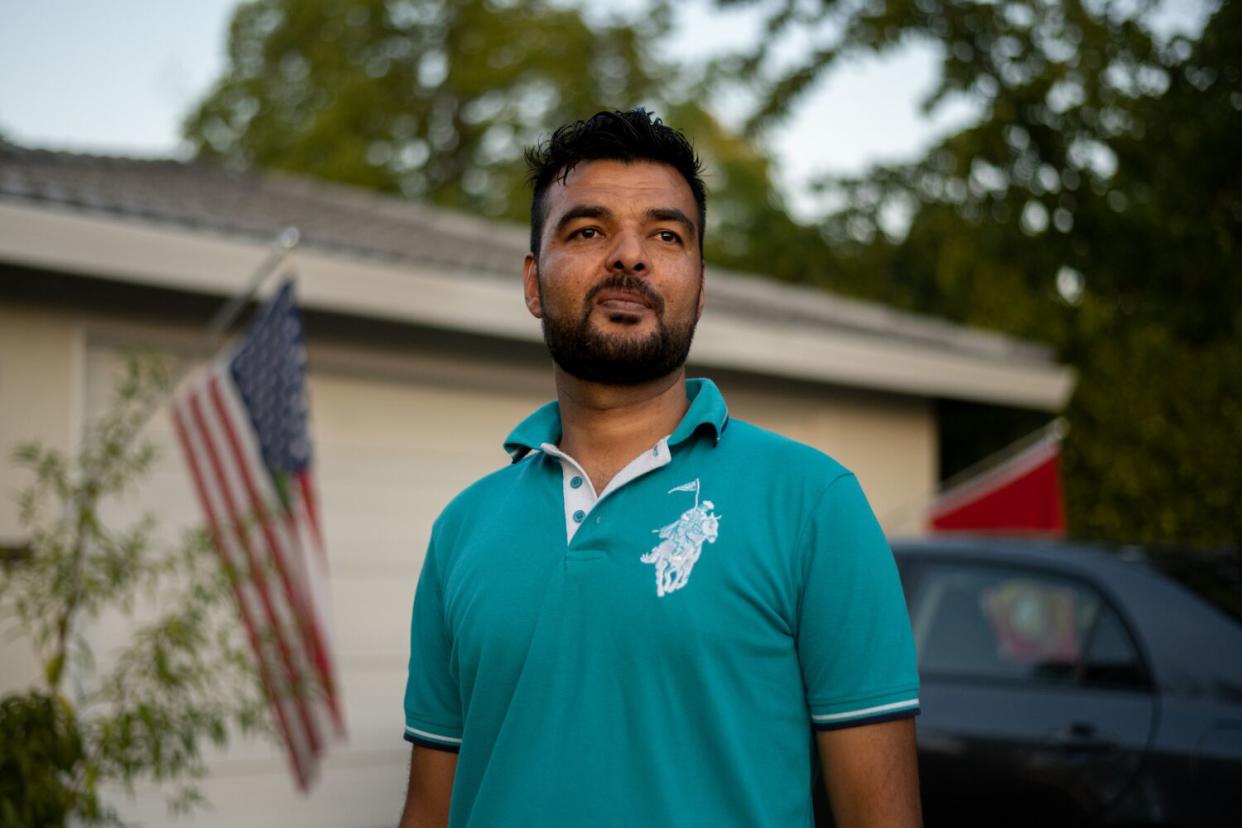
point(578, 495)
point(578, 492)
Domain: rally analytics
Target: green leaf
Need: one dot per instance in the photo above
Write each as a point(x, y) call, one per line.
point(53, 668)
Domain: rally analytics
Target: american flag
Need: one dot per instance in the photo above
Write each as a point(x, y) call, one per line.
point(243, 426)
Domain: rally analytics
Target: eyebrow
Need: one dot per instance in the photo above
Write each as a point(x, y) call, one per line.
point(581, 211)
point(673, 214)
point(594, 211)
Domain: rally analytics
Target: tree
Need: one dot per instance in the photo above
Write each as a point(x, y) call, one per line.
point(181, 683)
point(749, 227)
point(1096, 204)
point(434, 99)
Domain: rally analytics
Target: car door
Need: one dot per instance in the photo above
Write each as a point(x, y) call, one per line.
point(1036, 706)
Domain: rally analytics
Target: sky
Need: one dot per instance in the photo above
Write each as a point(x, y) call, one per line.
point(117, 77)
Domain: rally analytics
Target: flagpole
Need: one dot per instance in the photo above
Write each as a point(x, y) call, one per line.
point(286, 240)
point(217, 328)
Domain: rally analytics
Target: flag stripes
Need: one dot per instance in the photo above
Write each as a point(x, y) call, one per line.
point(290, 611)
point(245, 603)
point(242, 426)
point(303, 526)
point(221, 496)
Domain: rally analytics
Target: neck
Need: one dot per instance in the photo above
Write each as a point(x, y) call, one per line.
point(604, 427)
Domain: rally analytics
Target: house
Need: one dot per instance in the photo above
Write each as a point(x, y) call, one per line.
point(422, 357)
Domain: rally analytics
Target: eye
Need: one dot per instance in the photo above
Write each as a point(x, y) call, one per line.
point(669, 236)
point(585, 233)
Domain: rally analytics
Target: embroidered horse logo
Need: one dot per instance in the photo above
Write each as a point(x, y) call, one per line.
point(681, 542)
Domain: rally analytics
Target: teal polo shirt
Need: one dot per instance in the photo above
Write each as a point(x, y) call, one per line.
point(660, 654)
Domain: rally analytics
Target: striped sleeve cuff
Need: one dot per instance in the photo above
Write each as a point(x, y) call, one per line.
point(431, 739)
point(865, 715)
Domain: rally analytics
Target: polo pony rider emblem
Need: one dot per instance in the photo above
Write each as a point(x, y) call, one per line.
point(681, 542)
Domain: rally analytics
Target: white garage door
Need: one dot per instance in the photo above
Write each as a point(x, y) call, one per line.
point(389, 455)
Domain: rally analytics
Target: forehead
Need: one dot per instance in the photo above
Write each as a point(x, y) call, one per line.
point(621, 186)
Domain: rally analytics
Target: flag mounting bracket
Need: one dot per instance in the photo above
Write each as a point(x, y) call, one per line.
point(286, 240)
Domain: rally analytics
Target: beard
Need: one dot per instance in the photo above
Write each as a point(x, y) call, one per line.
point(586, 353)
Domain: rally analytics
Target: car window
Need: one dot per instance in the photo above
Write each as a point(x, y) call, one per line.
point(1112, 659)
point(1006, 623)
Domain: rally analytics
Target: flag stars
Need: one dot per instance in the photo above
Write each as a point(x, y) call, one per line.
point(269, 371)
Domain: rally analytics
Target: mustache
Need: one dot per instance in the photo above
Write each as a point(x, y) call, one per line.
point(628, 282)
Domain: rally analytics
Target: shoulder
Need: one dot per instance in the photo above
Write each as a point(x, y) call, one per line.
point(765, 452)
point(488, 493)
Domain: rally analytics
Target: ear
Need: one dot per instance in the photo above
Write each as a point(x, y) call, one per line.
point(702, 292)
point(530, 286)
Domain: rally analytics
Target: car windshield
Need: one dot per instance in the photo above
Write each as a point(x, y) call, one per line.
point(1216, 577)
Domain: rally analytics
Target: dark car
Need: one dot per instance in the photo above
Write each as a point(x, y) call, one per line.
point(1068, 685)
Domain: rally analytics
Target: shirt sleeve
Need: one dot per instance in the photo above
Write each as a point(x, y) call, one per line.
point(854, 642)
point(432, 697)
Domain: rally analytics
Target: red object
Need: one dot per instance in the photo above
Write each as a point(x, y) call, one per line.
point(1020, 494)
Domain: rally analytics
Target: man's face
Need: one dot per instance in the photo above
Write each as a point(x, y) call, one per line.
point(618, 283)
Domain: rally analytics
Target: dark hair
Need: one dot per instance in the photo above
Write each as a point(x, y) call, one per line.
point(610, 136)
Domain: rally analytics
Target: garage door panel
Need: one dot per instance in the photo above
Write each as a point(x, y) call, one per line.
point(356, 789)
point(393, 465)
point(363, 413)
point(397, 551)
point(386, 557)
point(374, 699)
point(371, 616)
point(380, 501)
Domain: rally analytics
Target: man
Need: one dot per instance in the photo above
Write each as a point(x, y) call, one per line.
point(642, 619)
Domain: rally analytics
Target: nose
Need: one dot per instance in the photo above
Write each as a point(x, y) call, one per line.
point(629, 255)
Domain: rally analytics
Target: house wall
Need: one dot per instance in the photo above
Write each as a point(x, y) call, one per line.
point(890, 442)
point(400, 428)
point(41, 400)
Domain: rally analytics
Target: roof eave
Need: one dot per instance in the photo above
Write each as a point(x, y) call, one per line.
point(128, 250)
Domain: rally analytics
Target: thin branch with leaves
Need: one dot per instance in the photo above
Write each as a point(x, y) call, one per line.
point(182, 682)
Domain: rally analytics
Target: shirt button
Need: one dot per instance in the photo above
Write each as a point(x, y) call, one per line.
point(575, 482)
point(579, 516)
